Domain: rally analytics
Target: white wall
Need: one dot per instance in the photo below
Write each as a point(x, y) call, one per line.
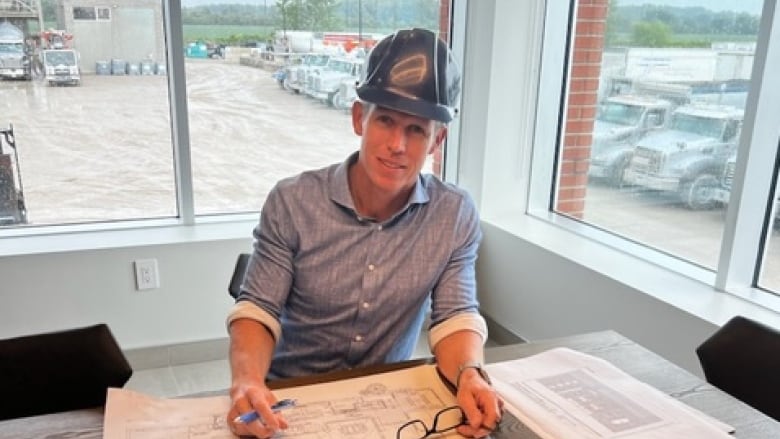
point(537, 294)
point(50, 291)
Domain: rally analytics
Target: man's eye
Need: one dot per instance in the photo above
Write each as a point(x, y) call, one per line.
point(385, 120)
point(418, 130)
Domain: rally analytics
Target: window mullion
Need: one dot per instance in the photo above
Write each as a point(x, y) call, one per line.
point(178, 102)
point(752, 184)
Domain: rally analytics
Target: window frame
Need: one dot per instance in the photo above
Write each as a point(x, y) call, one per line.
point(186, 225)
point(743, 239)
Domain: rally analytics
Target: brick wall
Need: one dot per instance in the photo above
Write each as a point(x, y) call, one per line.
point(581, 99)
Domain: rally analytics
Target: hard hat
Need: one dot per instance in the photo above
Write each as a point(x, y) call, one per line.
point(412, 71)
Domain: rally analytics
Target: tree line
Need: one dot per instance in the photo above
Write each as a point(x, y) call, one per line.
point(320, 15)
point(675, 26)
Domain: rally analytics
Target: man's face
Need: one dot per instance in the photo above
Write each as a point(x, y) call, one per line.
point(394, 145)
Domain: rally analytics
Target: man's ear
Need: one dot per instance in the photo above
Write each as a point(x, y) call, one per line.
point(357, 117)
point(438, 141)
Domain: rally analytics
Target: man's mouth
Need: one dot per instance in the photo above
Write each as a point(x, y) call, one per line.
point(392, 165)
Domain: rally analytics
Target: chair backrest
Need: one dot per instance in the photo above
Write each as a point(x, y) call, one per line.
point(59, 371)
point(238, 275)
point(742, 358)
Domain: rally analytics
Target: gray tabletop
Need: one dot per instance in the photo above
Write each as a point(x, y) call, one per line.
point(611, 346)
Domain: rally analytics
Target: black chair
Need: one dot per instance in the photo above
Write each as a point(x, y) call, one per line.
point(238, 275)
point(59, 371)
point(742, 358)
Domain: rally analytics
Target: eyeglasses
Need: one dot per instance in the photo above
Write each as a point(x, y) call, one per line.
point(445, 420)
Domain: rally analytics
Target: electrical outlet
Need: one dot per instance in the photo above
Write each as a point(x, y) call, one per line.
point(146, 276)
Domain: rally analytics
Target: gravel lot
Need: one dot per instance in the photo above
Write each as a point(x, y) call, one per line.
point(103, 150)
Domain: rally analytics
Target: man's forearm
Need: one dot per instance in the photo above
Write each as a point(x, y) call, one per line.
point(459, 348)
point(251, 350)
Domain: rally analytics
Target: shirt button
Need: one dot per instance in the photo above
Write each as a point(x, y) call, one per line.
point(358, 338)
point(365, 305)
point(371, 267)
point(379, 228)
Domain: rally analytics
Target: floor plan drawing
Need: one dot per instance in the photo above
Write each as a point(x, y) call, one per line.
point(366, 407)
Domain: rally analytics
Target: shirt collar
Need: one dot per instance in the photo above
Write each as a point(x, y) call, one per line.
point(339, 187)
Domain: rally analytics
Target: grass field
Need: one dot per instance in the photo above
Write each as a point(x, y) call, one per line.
point(226, 33)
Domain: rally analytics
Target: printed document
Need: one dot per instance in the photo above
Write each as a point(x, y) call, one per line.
point(562, 393)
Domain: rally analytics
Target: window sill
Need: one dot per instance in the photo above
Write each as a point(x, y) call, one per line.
point(657, 276)
point(59, 239)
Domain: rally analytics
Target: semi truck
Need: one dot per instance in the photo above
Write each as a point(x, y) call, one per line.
point(14, 53)
point(689, 156)
point(325, 82)
point(620, 122)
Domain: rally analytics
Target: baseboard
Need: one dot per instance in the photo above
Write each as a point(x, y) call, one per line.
point(177, 354)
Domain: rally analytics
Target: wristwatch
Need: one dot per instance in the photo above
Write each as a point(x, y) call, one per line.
point(472, 365)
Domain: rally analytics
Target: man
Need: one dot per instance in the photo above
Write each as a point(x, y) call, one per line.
point(348, 259)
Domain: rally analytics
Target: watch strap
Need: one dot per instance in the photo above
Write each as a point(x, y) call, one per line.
point(472, 365)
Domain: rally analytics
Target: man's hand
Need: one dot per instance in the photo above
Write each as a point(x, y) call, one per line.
point(250, 396)
point(480, 403)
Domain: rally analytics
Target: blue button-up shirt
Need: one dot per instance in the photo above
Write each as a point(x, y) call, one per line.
point(349, 291)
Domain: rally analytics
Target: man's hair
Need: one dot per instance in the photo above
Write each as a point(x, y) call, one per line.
point(368, 107)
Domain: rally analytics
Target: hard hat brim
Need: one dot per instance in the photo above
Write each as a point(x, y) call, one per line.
point(404, 104)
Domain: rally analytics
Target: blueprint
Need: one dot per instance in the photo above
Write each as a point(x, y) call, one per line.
point(564, 393)
point(366, 407)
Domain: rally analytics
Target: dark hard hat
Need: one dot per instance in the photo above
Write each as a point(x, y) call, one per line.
point(412, 71)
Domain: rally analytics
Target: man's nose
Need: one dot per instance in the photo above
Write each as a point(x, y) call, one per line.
point(396, 141)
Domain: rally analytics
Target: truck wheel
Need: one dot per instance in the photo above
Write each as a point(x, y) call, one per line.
point(617, 171)
point(331, 99)
point(338, 102)
point(698, 194)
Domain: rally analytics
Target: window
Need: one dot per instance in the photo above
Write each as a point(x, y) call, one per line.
point(99, 13)
point(259, 114)
point(665, 134)
point(103, 13)
point(110, 135)
point(84, 13)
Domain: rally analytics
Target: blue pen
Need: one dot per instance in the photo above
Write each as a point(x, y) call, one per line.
point(251, 416)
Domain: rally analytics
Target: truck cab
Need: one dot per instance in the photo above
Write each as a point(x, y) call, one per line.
point(326, 82)
point(61, 66)
point(14, 56)
point(688, 156)
point(295, 75)
point(620, 122)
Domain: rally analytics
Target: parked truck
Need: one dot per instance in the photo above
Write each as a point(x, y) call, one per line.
point(620, 122)
point(59, 61)
point(326, 81)
point(295, 75)
point(14, 53)
point(61, 67)
point(689, 156)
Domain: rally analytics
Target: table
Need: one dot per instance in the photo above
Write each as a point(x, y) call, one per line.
point(609, 345)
